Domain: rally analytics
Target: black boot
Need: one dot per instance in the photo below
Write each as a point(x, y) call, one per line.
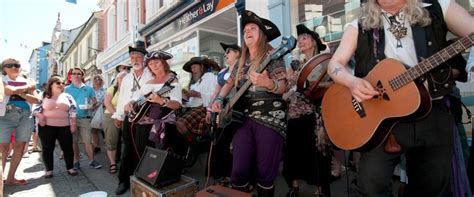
point(121, 189)
point(243, 188)
point(293, 192)
point(265, 191)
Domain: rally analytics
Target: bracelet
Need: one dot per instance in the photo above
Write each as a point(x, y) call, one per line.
point(219, 99)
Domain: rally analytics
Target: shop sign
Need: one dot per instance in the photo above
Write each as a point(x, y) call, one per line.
point(193, 15)
point(116, 61)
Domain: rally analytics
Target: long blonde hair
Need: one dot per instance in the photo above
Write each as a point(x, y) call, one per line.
point(263, 48)
point(414, 12)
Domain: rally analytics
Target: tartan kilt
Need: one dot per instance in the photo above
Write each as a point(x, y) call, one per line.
point(195, 120)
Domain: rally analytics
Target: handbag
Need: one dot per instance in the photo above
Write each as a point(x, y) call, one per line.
point(98, 118)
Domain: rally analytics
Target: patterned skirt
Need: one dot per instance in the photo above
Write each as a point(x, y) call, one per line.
point(195, 120)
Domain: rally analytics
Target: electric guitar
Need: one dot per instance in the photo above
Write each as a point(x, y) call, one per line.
point(141, 106)
point(364, 125)
point(227, 115)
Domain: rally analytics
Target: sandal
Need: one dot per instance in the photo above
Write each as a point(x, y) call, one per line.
point(72, 172)
point(113, 168)
point(48, 175)
point(16, 182)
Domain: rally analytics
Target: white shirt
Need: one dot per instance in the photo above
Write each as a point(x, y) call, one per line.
point(126, 93)
point(406, 54)
point(470, 63)
point(205, 87)
point(6, 98)
point(175, 94)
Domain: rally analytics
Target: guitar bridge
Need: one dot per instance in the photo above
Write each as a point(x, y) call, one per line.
point(358, 108)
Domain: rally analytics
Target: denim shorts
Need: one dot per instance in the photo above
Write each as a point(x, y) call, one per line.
point(19, 120)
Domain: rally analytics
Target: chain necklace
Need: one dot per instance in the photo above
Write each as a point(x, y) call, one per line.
point(397, 27)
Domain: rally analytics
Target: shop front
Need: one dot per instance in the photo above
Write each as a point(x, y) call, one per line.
point(327, 18)
point(330, 17)
point(195, 32)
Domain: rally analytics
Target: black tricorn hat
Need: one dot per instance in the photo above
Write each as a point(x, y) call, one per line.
point(158, 54)
point(204, 61)
point(302, 29)
point(139, 46)
point(232, 46)
point(268, 28)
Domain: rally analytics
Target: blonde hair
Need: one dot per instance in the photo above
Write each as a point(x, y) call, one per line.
point(414, 12)
point(263, 47)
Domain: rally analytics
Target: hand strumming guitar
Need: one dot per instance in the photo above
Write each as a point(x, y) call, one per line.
point(155, 98)
point(361, 89)
point(261, 79)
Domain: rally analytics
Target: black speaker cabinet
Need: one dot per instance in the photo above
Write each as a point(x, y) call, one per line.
point(160, 167)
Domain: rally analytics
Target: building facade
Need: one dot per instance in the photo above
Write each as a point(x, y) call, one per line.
point(39, 64)
point(82, 47)
point(122, 19)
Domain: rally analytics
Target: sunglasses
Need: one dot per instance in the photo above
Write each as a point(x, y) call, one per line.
point(59, 83)
point(228, 50)
point(78, 74)
point(12, 65)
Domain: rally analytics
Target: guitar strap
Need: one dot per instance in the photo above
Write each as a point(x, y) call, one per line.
point(168, 82)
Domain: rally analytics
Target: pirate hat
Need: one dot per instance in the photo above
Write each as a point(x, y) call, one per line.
point(268, 28)
point(231, 46)
point(139, 46)
point(301, 29)
point(204, 61)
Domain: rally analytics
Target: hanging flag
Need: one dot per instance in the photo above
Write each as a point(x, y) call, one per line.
point(72, 1)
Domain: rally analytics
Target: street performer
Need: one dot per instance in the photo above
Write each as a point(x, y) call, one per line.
point(129, 89)
point(261, 135)
point(408, 31)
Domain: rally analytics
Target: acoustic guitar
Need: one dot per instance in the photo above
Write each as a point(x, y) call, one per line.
point(364, 125)
point(141, 107)
point(227, 115)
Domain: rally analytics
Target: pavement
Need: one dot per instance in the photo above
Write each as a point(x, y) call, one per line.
point(89, 180)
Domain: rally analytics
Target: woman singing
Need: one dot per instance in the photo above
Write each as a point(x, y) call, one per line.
point(259, 140)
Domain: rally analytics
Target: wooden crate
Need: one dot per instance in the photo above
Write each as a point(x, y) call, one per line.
point(218, 191)
point(186, 187)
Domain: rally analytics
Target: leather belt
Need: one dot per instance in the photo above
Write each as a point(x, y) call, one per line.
point(12, 107)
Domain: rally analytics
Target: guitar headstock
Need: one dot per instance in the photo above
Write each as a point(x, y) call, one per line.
point(288, 43)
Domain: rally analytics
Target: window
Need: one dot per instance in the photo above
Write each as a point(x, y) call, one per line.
point(111, 27)
point(156, 8)
point(327, 18)
point(90, 51)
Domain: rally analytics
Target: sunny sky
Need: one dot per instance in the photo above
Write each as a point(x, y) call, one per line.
point(25, 24)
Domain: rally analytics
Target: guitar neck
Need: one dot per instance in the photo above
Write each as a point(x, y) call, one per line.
point(432, 62)
point(247, 83)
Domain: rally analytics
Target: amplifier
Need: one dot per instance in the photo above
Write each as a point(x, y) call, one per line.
point(160, 167)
